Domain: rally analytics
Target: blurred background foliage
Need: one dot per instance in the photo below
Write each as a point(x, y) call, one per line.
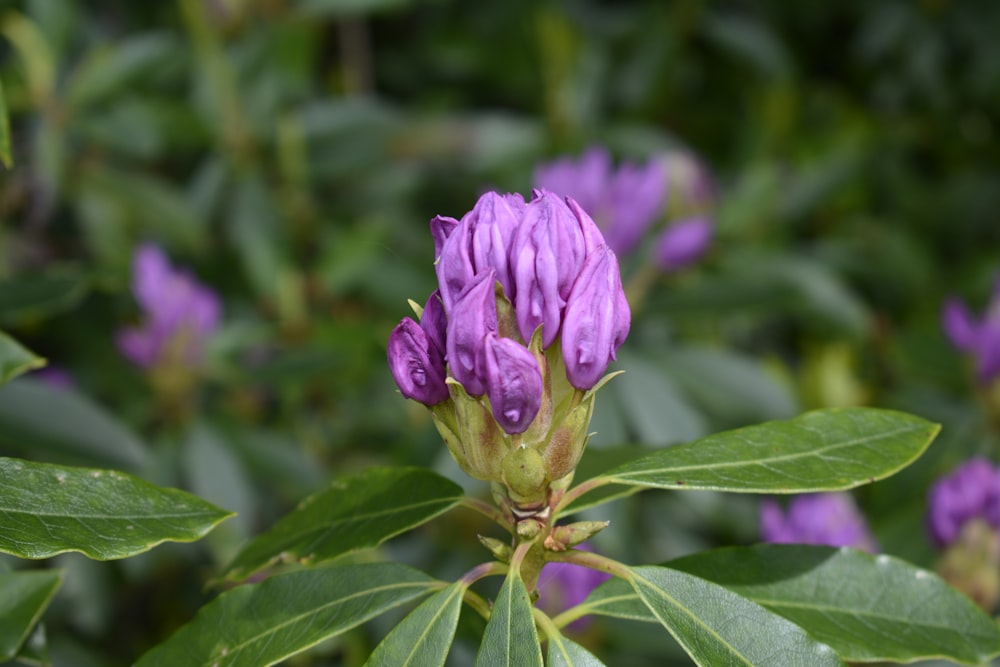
point(291, 153)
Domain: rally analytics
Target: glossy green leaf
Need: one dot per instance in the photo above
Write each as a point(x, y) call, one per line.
point(262, 624)
point(424, 637)
point(23, 598)
point(6, 156)
point(510, 639)
point(49, 509)
point(15, 359)
point(718, 627)
point(867, 608)
point(567, 653)
point(356, 512)
point(84, 432)
point(824, 450)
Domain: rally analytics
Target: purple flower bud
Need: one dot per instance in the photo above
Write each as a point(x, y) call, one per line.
point(454, 264)
point(441, 228)
point(514, 383)
point(180, 313)
point(597, 320)
point(971, 491)
point(416, 365)
point(683, 243)
point(472, 317)
point(493, 223)
point(822, 518)
point(434, 322)
point(548, 253)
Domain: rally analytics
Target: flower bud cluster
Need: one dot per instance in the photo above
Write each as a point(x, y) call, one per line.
point(528, 314)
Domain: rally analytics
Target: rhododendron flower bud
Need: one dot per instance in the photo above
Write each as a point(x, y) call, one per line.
point(519, 286)
point(473, 317)
point(492, 224)
point(416, 364)
point(548, 251)
point(514, 383)
point(441, 228)
point(597, 320)
point(434, 322)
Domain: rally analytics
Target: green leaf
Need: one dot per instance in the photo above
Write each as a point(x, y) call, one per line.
point(6, 156)
point(867, 608)
point(718, 627)
point(356, 512)
point(424, 637)
point(566, 653)
point(84, 431)
point(48, 509)
point(23, 598)
point(510, 639)
point(656, 408)
point(15, 359)
point(39, 295)
point(261, 624)
point(823, 450)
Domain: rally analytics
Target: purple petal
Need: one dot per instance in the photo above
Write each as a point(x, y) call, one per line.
point(594, 324)
point(493, 224)
point(473, 317)
point(959, 325)
point(441, 228)
point(434, 322)
point(454, 265)
point(514, 384)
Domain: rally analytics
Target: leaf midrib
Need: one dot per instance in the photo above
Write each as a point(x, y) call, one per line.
point(691, 615)
point(234, 650)
point(761, 461)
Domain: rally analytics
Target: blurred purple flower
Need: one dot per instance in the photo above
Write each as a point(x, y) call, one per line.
point(832, 519)
point(562, 586)
point(180, 313)
point(980, 339)
point(624, 202)
point(971, 491)
point(683, 243)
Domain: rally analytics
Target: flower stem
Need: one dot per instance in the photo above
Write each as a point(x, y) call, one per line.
point(579, 490)
point(488, 511)
point(593, 561)
point(493, 568)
